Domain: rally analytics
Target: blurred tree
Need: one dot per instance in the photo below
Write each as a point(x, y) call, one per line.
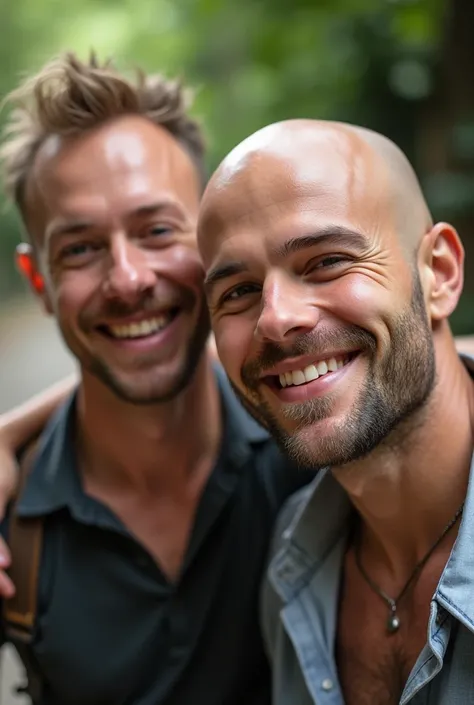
point(403, 67)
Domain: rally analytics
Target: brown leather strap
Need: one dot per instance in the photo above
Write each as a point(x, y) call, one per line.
point(25, 538)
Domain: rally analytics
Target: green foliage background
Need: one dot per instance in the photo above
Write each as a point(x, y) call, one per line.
point(404, 67)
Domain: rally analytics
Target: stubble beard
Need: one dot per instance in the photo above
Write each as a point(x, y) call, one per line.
point(396, 389)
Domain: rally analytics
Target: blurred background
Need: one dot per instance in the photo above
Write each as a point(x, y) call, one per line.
point(402, 67)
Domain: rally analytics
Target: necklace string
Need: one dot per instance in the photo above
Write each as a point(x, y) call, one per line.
point(393, 620)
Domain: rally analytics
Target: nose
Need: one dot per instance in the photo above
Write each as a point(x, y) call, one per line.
point(130, 274)
point(286, 311)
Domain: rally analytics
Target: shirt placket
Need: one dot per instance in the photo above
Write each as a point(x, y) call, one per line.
point(301, 619)
point(430, 661)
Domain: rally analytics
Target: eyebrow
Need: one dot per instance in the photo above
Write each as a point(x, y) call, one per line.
point(78, 226)
point(223, 272)
point(329, 234)
point(71, 227)
point(332, 234)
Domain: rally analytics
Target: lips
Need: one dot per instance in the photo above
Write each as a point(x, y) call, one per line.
point(295, 372)
point(142, 328)
point(307, 389)
point(312, 371)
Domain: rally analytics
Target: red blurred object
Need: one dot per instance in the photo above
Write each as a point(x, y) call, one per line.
point(25, 265)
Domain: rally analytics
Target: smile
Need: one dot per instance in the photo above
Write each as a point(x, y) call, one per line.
point(312, 371)
point(304, 378)
point(145, 328)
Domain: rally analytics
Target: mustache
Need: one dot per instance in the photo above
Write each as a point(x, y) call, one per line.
point(151, 302)
point(315, 343)
point(119, 309)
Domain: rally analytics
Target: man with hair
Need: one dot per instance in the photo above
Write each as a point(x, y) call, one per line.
point(156, 491)
point(330, 288)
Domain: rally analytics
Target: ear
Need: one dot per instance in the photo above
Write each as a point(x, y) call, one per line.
point(27, 265)
point(441, 262)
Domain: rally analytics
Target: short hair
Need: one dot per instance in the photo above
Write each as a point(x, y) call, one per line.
point(69, 97)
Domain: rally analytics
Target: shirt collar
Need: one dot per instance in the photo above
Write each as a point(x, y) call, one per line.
point(455, 587)
point(54, 480)
point(323, 517)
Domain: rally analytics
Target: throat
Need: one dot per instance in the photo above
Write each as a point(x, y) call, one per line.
point(152, 448)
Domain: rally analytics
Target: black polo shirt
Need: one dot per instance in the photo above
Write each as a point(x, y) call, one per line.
point(111, 629)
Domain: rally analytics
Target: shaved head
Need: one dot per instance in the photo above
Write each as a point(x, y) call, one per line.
point(324, 278)
point(312, 151)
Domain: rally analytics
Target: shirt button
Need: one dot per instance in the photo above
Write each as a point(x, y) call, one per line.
point(327, 685)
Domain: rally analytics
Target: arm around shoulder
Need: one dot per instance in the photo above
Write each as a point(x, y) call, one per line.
point(26, 421)
point(18, 428)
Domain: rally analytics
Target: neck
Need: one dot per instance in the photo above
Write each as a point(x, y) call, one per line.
point(408, 489)
point(150, 448)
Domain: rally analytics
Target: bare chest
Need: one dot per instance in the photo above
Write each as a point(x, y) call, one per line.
point(373, 664)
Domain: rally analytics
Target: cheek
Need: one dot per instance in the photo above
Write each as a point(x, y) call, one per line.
point(359, 299)
point(182, 264)
point(364, 302)
point(70, 290)
point(72, 294)
point(234, 336)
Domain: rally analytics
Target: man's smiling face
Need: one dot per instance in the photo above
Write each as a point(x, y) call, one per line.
point(316, 304)
point(113, 215)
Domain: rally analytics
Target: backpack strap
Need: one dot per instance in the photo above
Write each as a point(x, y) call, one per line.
point(25, 539)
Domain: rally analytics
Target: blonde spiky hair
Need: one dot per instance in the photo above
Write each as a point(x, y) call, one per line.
point(68, 97)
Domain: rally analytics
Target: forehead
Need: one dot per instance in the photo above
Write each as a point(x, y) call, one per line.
point(270, 197)
point(112, 166)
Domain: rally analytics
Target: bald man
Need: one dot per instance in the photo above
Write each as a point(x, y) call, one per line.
point(330, 290)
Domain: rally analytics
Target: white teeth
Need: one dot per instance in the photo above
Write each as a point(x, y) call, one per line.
point(298, 377)
point(141, 329)
point(311, 372)
point(322, 367)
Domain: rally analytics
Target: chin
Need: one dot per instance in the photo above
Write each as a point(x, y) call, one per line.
point(158, 387)
point(316, 445)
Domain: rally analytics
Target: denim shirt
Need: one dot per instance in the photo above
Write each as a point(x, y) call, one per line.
point(300, 605)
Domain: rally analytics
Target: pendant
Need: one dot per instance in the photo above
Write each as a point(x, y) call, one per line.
point(393, 623)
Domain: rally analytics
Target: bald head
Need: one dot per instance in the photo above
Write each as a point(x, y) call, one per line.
point(328, 158)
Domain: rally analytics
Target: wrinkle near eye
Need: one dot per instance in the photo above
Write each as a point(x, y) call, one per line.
point(375, 272)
